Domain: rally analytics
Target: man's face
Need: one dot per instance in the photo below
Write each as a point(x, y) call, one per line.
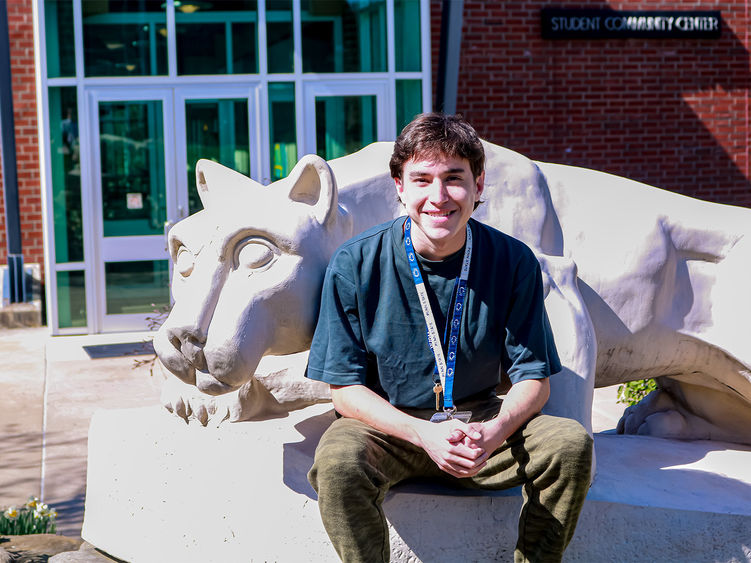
point(439, 194)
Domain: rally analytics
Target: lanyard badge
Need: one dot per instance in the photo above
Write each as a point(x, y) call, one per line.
point(445, 366)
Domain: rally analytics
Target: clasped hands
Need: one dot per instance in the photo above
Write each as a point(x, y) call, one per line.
point(459, 449)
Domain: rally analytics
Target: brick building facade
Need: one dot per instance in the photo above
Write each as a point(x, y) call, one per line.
point(673, 113)
point(21, 35)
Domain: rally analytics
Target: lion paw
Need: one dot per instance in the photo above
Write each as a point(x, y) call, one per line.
point(188, 403)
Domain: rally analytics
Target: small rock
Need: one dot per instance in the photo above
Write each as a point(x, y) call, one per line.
point(34, 548)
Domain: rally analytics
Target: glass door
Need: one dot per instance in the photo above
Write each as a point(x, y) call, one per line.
point(135, 195)
point(216, 127)
point(343, 117)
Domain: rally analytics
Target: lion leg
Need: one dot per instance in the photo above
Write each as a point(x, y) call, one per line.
point(686, 411)
point(572, 389)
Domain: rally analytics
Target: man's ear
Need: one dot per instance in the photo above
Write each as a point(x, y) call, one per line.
point(399, 189)
point(480, 183)
point(312, 182)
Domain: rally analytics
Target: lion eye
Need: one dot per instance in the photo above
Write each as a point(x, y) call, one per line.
point(255, 255)
point(184, 261)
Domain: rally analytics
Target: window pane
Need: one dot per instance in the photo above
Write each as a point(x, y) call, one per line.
point(279, 35)
point(136, 287)
point(132, 158)
point(408, 101)
point(217, 130)
point(124, 38)
point(66, 175)
point(217, 37)
point(282, 129)
point(344, 124)
point(58, 31)
point(344, 36)
point(71, 299)
point(407, 35)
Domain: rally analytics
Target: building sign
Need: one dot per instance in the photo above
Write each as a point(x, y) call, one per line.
point(563, 23)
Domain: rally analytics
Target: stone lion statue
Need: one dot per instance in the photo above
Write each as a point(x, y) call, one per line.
point(639, 283)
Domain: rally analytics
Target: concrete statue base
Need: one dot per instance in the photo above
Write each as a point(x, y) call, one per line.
point(162, 490)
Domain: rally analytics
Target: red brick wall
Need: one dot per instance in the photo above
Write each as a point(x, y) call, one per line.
point(671, 113)
point(21, 34)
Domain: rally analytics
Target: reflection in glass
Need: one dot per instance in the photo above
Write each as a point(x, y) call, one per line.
point(408, 101)
point(124, 37)
point(71, 299)
point(217, 130)
point(131, 142)
point(136, 287)
point(407, 35)
point(58, 31)
point(66, 175)
point(217, 37)
point(342, 36)
point(279, 36)
point(283, 141)
point(344, 124)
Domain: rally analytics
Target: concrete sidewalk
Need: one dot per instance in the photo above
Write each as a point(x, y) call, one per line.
point(50, 388)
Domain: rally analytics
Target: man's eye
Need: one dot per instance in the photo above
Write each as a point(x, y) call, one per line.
point(255, 254)
point(184, 261)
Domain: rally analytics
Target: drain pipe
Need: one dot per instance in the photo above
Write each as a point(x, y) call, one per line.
point(448, 56)
point(10, 177)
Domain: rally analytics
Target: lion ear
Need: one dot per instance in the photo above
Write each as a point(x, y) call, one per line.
point(221, 180)
point(311, 182)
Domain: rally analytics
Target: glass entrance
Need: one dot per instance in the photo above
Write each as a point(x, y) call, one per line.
point(134, 197)
point(342, 118)
point(145, 145)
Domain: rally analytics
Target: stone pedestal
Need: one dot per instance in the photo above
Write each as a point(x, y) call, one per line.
point(162, 490)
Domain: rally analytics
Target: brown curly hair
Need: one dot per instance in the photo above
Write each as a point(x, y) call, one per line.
point(433, 134)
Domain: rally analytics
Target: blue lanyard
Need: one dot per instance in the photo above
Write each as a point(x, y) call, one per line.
point(445, 367)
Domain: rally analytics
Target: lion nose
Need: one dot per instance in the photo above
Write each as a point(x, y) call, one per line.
point(189, 345)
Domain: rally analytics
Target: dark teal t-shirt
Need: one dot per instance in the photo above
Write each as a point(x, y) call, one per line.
point(371, 329)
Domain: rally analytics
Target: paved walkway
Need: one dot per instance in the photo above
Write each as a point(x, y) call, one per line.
point(51, 386)
point(49, 389)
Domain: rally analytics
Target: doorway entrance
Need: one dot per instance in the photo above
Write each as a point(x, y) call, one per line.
point(144, 146)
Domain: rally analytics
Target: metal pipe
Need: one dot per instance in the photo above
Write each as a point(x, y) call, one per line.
point(9, 166)
point(448, 56)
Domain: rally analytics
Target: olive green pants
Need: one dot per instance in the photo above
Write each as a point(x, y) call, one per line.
point(355, 465)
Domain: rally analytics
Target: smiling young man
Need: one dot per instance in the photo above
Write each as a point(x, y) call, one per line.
point(404, 398)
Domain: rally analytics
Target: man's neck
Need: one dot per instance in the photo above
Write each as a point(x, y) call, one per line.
point(436, 250)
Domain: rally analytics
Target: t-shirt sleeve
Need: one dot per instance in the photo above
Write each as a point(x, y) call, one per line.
point(529, 339)
point(337, 353)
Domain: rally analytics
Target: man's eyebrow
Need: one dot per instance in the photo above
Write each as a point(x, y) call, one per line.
point(416, 173)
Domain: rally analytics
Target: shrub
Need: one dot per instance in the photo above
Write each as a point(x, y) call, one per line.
point(634, 391)
point(34, 517)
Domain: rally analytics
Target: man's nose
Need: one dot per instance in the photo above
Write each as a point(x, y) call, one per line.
point(438, 192)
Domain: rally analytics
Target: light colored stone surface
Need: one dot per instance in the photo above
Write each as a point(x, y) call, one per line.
point(189, 493)
point(240, 493)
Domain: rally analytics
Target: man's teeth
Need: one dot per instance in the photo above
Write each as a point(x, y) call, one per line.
point(439, 213)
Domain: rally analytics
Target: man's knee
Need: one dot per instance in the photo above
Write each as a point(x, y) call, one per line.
point(574, 445)
point(339, 457)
